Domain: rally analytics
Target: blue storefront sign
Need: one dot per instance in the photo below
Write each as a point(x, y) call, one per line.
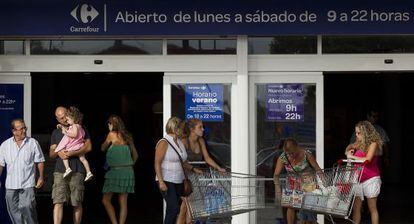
point(284, 102)
point(214, 17)
point(11, 107)
point(204, 101)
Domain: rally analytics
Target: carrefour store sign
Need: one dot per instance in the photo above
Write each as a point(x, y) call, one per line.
point(197, 17)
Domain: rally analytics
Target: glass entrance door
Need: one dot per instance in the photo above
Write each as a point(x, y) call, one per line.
point(283, 106)
point(206, 98)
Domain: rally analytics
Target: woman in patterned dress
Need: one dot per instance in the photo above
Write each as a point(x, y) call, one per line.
point(295, 160)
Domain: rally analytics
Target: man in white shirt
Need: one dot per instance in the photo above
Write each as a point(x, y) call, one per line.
point(21, 155)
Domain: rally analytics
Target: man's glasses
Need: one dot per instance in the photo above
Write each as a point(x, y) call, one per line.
point(19, 129)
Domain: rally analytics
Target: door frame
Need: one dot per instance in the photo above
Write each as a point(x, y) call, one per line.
point(285, 77)
point(239, 119)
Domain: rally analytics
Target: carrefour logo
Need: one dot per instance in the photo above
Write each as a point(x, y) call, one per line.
point(84, 13)
point(202, 87)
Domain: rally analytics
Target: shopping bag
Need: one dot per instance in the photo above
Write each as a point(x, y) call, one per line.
point(210, 203)
point(308, 181)
point(221, 201)
point(297, 198)
point(286, 199)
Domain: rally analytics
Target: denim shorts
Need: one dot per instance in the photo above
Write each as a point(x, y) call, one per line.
point(307, 216)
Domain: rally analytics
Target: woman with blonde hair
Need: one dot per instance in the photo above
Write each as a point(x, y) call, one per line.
point(121, 156)
point(197, 152)
point(366, 148)
point(170, 162)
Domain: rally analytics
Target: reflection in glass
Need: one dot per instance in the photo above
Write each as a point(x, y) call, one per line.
point(216, 134)
point(201, 46)
point(95, 47)
point(12, 47)
point(283, 45)
point(367, 44)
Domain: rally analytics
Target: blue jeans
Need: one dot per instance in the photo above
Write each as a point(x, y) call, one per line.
point(4, 216)
point(172, 198)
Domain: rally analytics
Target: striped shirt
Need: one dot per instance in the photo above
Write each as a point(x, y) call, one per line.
point(172, 171)
point(21, 168)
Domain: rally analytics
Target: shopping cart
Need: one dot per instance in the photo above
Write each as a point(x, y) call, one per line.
point(218, 196)
point(329, 191)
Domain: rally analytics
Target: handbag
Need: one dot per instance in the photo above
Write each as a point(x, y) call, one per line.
point(187, 185)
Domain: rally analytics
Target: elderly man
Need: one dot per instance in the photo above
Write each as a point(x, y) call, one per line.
point(68, 189)
point(21, 154)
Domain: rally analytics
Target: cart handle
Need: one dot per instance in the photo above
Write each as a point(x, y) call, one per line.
point(350, 161)
point(197, 162)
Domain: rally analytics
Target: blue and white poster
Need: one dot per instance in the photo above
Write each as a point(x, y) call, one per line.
point(11, 107)
point(204, 102)
point(284, 102)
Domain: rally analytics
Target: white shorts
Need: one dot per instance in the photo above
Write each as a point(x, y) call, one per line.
point(370, 188)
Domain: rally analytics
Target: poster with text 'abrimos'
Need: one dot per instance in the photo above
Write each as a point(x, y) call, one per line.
point(284, 102)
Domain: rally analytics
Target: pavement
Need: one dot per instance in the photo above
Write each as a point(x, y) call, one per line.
point(394, 206)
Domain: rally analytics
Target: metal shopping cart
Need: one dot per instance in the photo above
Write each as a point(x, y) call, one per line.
point(218, 196)
point(329, 191)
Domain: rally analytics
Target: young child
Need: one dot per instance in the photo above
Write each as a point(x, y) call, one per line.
point(73, 140)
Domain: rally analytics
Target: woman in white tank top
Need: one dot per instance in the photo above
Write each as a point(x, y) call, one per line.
point(168, 168)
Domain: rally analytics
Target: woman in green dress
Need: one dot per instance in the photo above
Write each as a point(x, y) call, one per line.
point(120, 156)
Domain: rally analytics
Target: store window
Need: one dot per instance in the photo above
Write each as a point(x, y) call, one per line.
point(283, 45)
point(367, 44)
point(213, 46)
point(96, 47)
point(216, 116)
point(11, 47)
